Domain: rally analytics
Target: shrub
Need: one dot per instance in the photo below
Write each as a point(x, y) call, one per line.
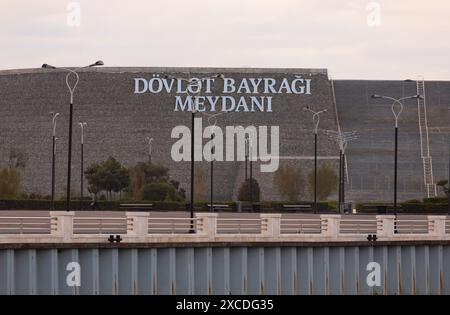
point(289, 181)
point(9, 183)
point(326, 182)
point(244, 191)
point(159, 192)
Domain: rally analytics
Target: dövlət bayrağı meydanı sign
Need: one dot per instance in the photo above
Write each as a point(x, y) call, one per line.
point(196, 93)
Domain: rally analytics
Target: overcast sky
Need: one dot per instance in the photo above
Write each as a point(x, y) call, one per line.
point(408, 38)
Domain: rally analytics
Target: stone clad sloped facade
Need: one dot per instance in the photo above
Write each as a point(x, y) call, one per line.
point(119, 120)
point(371, 158)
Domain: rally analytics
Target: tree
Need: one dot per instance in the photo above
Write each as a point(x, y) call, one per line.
point(10, 176)
point(143, 174)
point(289, 181)
point(17, 159)
point(326, 182)
point(199, 184)
point(444, 186)
point(146, 173)
point(9, 183)
point(244, 191)
point(109, 175)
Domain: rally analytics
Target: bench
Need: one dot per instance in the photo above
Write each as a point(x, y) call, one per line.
point(297, 208)
point(218, 207)
point(136, 206)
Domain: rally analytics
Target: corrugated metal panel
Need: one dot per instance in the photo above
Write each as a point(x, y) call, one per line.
point(404, 269)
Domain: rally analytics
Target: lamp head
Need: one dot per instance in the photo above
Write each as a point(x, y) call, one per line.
point(47, 66)
point(376, 96)
point(220, 75)
point(97, 63)
point(420, 97)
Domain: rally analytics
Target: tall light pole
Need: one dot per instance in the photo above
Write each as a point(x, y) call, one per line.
point(448, 183)
point(246, 155)
point(82, 125)
point(54, 116)
point(316, 120)
point(189, 90)
point(212, 120)
point(396, 110)
point(190, 85)
point(71, 91)
point(342, 138)
point(250, 149)
point(150, 140)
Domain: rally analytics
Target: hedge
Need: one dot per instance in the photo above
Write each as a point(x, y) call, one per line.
point(30, 204)
point(412, 206)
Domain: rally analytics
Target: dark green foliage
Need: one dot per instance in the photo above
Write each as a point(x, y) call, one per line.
point(159, 192)
point(244, 190)
point(109, 176)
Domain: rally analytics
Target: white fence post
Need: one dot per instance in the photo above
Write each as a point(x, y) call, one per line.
point(385, 225)
point(64, 224)
point(272, 224)
point(139, 223)
point(437, 225)
point(330, 224)
point(206, 224)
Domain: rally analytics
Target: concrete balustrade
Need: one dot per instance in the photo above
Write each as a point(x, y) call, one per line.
point(330, 224)
point(385, 225)
point(436, 225)
point(272, 224)
point(206, 224)
point(271, 229)
point(64, 224)
point(137, 223)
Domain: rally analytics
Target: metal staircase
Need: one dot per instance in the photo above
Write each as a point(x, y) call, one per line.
point(430, 186)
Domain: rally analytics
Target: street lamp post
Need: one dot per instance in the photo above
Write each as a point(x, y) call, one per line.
point(316, 120)
point(396, 110)
point(246, 156)
point(250, 149)
point(342, 138)
point(71, 91)
point(82, 125)
point(448, 182)
point(212, 173)
point(212, 120)
point(192, 84)
point(150, 140)
point(54, 116)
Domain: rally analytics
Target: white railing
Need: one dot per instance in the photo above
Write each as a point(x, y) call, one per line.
point(160, 225)
point(300, 226)
point(210, 227)
point(27, 224)
point(241, 225)
point(99, 225)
